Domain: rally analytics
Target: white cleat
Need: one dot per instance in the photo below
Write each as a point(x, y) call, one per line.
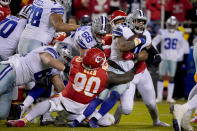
point(178, 112)
point(158, 100)
point(160, 123)
point(171, 101)
point(185, 123)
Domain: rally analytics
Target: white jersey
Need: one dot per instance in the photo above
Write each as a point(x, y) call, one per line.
point(38, 24)
point(83, 38)
point(11, 29)
point(30, 67)
point(127, 33)
point(171, 44)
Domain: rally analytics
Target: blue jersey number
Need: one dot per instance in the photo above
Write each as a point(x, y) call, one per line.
point(170, 43)
point(35, 15)
point(87, 37)
point(7, 28)
point(42, 74)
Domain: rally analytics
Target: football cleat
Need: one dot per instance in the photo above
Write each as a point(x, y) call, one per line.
point(171, 101)
point(158, 100)
point(178, 112)
point(194, 120)
point(160, 123)
point(93, 123)
point(15, 123)
point(46, 119)
point(73, 123)
point(59, 121)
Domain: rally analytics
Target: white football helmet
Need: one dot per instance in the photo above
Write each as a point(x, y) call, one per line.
point(5, 2)
point(100, 27)
point(172, 24)
point(65, 3)
point(65, 52)
point(136, 21)
point(25, 11)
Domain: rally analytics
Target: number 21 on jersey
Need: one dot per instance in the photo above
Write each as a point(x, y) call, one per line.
point(89, 86)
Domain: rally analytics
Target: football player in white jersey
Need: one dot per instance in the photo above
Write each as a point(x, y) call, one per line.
point(46, 18)
point(87, 37)
point(172, 43)
point(35, 66)
point(142, 80)
point(11, 28)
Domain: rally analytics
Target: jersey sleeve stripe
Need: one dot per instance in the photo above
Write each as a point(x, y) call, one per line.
point(57, 9)
point(5, 72)
point(116, 33)
point(52, 51)
point(58, 12)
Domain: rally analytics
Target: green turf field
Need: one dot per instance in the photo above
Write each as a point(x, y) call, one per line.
point(139, 120)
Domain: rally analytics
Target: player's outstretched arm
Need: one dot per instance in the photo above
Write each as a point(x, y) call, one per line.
point(57, 22)
point(47, 59)
point(58, 83)
point(115, 79)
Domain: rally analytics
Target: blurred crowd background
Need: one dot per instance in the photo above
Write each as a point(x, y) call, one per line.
point(157, 11)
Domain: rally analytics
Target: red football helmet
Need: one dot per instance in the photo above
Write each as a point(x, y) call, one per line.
point(116, 15)
point(93, 58)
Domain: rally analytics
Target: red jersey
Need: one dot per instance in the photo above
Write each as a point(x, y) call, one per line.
point(84, 85)
point(4, 11)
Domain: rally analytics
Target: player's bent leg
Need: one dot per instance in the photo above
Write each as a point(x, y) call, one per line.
point(38, 110)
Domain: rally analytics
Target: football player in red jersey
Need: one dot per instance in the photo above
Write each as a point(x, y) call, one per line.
point(88, 77)
point(4, 9)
